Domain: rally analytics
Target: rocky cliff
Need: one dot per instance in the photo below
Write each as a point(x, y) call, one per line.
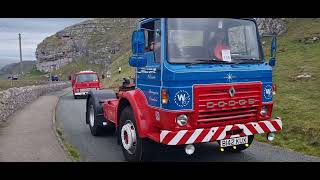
point(97, 41)
point(100, 41)
point(271, 26)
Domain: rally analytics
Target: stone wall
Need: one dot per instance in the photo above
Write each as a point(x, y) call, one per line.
point(13, 99)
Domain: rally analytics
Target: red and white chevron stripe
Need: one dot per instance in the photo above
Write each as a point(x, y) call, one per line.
point(218, 133)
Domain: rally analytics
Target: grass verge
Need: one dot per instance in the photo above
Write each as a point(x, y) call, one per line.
point(71, 150)
point(73, 154)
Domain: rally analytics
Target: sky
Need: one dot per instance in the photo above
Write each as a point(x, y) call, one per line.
point(33, 31)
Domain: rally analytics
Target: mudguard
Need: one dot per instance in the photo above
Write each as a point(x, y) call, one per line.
point(98, 97)
point(139, 105)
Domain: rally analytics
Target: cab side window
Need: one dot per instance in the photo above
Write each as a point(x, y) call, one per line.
point(157, 39)
point(148, 33)
point(152, 38)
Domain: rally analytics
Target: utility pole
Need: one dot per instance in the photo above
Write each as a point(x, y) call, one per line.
point(20, 54)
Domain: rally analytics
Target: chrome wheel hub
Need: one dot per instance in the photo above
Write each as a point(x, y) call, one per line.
point(128, 137)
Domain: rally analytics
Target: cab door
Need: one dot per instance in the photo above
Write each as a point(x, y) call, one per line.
point(149, 77)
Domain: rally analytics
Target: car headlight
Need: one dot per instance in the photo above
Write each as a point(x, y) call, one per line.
point(182, 120)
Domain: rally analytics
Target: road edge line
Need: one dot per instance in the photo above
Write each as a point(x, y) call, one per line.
point(54, 127)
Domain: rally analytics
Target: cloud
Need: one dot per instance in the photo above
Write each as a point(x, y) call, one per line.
point(33, 31)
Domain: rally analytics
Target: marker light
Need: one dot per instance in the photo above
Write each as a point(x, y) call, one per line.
point(274, 89)
point(264, 111)
point(164, 96)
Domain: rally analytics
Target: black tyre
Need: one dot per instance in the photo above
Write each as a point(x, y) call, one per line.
point(240, 147)
point(92, 118)
point(133, 147)
point(75, 96)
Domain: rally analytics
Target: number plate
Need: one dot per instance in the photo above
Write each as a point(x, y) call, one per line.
point(234, 141)
point(87, 89)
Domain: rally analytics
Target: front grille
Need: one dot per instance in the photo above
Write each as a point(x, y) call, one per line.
point(214, 104)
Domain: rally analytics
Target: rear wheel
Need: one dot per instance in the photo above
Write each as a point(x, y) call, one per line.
point(133, 147)
point(240, 147)
point(75, 96)
point(92, 116)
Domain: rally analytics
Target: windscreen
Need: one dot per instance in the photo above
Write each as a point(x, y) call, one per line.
point(87, 77)
point(199, 39)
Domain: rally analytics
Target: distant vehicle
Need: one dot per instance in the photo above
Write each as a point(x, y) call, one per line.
point(55, 78)
point(14, 77)
point(84, 81)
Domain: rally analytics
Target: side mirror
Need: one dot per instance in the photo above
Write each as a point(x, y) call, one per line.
point(138, 42)
point(137, 61)
point(273, 49)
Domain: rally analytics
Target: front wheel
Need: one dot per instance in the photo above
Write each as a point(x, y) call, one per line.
point(240, 147)
point(133, 147)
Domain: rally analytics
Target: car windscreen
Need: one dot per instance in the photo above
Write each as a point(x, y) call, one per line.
point(87, 77)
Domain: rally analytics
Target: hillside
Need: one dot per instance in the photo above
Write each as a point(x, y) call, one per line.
point(30, 77)
point(14, 68)
point(4, 62)
point(127, 71)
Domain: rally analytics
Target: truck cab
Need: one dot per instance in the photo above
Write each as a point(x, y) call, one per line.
point(196, 81)
point(83, 81)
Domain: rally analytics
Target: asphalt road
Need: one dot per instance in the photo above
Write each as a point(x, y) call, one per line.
point(70, 115)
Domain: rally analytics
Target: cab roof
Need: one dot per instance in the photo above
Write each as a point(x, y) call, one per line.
point(84, 72)
point(144, 19)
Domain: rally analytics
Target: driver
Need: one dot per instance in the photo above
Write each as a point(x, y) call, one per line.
point(155, 47)
point(217, 44)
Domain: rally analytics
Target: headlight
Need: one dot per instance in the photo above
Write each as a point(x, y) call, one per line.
point(182, 120)
point(264, 111)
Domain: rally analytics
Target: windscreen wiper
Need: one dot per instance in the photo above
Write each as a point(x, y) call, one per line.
point(246, 60)
point(208, 61)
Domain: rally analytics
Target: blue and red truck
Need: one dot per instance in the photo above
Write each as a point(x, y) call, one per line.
point(196, 81)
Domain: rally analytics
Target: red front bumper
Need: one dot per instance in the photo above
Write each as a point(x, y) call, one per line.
point(203, 135)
